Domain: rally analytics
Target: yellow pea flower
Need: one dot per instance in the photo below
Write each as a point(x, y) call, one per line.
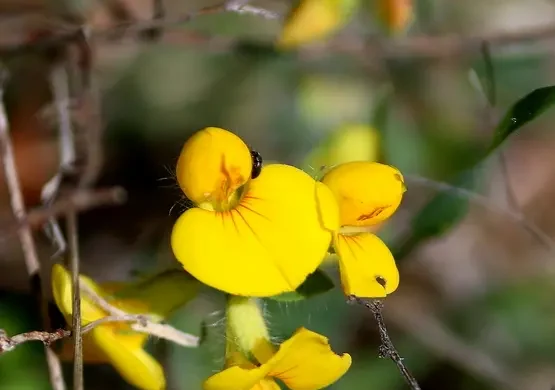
point(113, 343)
point(312, 20)
point(249, 237)
point(367, 194)
point(303, 362)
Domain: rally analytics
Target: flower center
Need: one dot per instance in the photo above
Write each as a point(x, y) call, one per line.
point(227, 200)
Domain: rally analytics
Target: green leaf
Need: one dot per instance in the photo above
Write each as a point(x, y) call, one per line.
point(522, 112)
point(316, 283)
point(163, 292)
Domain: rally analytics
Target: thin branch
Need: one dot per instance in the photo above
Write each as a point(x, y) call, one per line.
point(73, 252)
point(25, 234)
point(538, 234)
point(47, 338)
point(60, 88)
point(144, 322)
point(366, 49)
point(387, 349)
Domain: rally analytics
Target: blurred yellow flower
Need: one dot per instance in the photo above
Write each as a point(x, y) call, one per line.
point(367, 194)
point(303, 362)
point(313, 20)
point(350, 142)
point(395, 15)
point(113, 343)
point(257, 237)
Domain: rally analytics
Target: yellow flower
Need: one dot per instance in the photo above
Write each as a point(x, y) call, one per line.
point(113, 343)
point(313, 20)
point(257, 237)
point(367, 194)
point(395, 15)
point(304, 362)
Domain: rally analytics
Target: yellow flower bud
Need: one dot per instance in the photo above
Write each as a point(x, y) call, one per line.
point(367, 192)
point(214, 163)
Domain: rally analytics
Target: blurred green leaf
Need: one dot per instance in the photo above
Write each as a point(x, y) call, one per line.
point(316, 283)
point(164, 292)
point(522, 112)
point(447, 208)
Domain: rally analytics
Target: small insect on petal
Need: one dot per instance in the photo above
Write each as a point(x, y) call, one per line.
point(256, 164)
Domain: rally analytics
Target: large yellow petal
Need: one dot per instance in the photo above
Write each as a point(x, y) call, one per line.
point(367, 192)
point(306, 362)
point(62, 292)
point(367, 267)
point(135, 365)
point(268, 244)
point(212, 165)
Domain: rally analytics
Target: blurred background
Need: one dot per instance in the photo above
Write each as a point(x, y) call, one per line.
point(475, 307)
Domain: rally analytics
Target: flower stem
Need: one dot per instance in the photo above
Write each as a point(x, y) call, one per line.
point(246, 329)
point(387, 349)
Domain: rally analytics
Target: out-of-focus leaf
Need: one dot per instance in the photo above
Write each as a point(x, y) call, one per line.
point(316, 283)
point(442, 212)
point(522, 112)
point(163, 292)
point(447, 208)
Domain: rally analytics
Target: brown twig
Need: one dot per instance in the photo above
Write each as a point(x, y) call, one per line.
point(9, 343)
point(25, 235)
point(367, 49)
point(387, 349)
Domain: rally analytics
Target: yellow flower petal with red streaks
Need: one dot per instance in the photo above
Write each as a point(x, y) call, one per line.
point(304, 362)
point(367, 267)
point(134, 364)
point(367, 192)
point(268, 243)
point(214, 163)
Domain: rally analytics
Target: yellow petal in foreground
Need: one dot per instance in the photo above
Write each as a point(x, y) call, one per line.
point(133, 363)
point(367, 192)
point(62, 292)
point(304, 362)
point(113, 343)
point(214, 163)
point(367, 267)
point(267, 244)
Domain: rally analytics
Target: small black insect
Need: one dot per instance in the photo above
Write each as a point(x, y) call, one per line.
point(256, 164)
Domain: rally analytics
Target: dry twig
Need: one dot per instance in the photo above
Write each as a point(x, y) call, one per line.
point(387, 349)
point(25, 234)
point(10, 343)
point(144, 323)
